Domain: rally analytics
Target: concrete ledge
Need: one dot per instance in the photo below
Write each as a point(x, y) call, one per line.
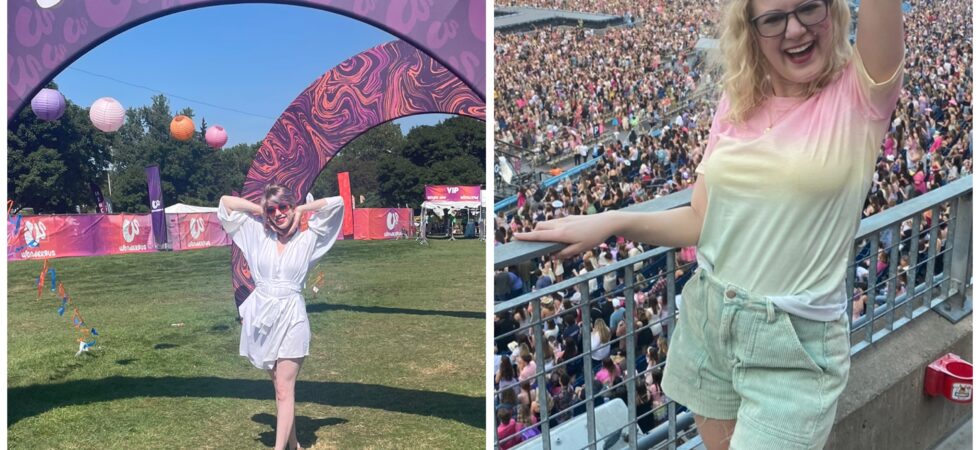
point(884, 406)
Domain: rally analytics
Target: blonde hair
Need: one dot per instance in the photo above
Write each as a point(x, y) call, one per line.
point(744, 67)
point(603, 330)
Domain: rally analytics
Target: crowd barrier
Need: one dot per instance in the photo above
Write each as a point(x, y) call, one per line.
point(58, 236)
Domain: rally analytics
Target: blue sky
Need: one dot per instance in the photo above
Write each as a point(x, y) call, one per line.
point(249, 61)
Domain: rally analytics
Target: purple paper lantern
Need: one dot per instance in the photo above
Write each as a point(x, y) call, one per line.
point(216, 136)
point(48, 104)
point(107, 114)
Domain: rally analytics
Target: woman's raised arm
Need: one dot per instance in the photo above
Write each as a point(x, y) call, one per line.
point(240, 204)
point(880, 37)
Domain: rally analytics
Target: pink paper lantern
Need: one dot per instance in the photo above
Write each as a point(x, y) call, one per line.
point(107, 114)
point(48, 104)
point(216, 137)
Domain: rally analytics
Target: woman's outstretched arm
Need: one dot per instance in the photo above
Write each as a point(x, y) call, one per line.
point(680, 227)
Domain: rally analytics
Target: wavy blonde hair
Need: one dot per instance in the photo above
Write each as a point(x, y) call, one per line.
point(744, 67)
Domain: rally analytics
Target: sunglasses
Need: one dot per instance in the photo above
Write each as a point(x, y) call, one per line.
point(283, 208)
point(774, 24)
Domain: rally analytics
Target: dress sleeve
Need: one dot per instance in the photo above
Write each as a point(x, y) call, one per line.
point(326, 223)
point(241, 227)
point(714, 132)
point(876, 100)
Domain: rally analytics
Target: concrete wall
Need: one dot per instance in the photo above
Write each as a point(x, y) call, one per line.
point(884, 406)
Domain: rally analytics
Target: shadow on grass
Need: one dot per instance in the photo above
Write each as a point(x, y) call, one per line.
point(323, 307)
point(306, 428)
point(29, 401)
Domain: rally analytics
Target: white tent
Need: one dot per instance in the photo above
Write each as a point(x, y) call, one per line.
point(180, 208)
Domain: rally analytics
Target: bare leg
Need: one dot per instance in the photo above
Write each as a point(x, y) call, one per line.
point(292, 436)
point(716, 434)
point(285, 381)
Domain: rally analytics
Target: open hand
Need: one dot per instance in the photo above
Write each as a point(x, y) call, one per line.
point(580, 232)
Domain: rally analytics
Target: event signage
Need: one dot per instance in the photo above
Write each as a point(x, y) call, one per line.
point(159, 227)
point(194, 231)
point(452, 193)
point(382, 223)
point(125, 233)
point(61, 236)
point(343, 184)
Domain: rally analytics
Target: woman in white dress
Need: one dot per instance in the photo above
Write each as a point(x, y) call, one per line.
point(275, 330)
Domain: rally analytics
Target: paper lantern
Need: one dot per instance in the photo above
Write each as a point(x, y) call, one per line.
point(48, 104)
point(48, 3)
point(216, 136)
point(182, 128)
point(107, 114)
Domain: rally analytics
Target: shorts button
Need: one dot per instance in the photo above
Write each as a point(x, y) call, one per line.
point(730, 293)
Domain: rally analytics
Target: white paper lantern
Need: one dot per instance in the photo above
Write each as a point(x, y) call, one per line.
point(107, 114)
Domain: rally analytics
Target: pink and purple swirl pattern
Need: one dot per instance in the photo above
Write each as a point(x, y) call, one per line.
point(42, 42)
point(387, 82)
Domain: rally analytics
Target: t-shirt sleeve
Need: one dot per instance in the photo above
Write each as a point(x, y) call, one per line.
point(714, 132)
point(242, 228)
point(877, 101)
point(325, 224)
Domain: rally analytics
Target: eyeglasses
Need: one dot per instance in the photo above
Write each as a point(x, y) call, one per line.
point(808, 14)
point(283, 208)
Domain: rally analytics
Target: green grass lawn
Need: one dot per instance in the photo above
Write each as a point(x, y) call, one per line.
point(397, 355)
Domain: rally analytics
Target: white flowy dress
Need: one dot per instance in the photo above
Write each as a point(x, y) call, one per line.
point(274, 322)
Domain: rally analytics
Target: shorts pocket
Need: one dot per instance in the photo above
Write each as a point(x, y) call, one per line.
point(806, 340)
point(694, 308)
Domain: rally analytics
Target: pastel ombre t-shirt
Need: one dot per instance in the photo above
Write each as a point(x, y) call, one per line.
point(784, 205)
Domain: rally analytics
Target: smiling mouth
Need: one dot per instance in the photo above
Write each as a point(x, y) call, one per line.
point(797, 51)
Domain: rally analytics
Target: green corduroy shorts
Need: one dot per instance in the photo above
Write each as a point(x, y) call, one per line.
point(735, 356)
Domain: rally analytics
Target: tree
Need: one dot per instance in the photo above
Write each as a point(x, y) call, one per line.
point(190, 172)
point(50, 164)
point(391, 169)
point(361, 157)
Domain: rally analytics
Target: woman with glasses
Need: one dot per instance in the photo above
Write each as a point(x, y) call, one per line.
point(761, 350)
point(275, 330)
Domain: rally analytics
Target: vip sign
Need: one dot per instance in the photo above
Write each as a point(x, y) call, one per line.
point(452, 189)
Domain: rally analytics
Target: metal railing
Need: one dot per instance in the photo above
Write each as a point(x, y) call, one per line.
point(925, 248)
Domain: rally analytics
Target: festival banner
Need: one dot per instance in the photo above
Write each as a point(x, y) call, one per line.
point(42, 237)
point(452, 193)
point(194, 231)
point(343, 183)
point(125, 233)
point(159, 223)
point(382, 223)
